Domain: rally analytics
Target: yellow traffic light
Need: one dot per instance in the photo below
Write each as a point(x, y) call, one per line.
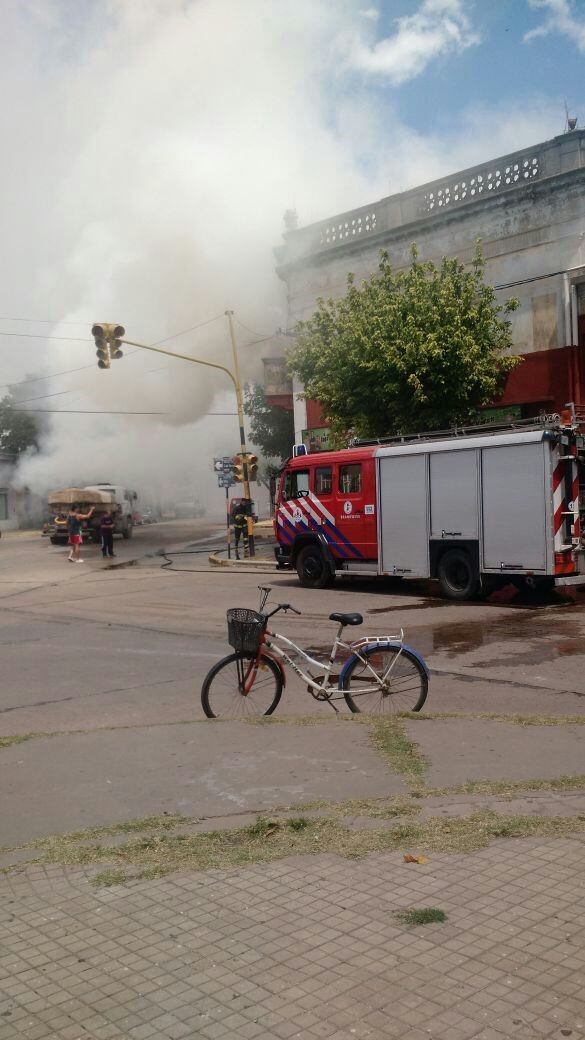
point(238, 468)
point(252, 463)
point(116, 336)
point(100, 335)
point(108, 339)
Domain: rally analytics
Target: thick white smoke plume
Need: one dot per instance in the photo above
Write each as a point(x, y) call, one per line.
point(154, 146)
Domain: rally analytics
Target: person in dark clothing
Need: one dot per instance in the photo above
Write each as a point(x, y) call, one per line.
point(107, 533)
point(74, 521)
point(240, 522)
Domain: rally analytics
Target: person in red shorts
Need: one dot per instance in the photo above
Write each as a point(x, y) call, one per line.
point(74, 522)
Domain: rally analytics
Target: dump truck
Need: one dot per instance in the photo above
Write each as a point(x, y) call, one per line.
point(61, 501)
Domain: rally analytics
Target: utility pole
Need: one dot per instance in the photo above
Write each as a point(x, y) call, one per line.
point(244, 450)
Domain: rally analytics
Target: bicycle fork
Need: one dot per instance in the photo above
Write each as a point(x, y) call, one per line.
point(246, 677)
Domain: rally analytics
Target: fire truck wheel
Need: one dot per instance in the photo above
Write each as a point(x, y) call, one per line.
point(313, 569)
point(457, 576)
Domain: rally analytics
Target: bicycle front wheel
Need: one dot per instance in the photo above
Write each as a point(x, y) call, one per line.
point(384, 680)
point(223, 693)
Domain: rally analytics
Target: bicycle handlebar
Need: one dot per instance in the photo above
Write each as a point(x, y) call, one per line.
point(285, 607)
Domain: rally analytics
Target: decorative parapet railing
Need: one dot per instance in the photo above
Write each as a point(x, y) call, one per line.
point(496, 177)
point(353, 227)
point(511, 172)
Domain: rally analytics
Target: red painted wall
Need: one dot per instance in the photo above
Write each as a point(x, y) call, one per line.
point(550, 378)
point(315, 418)
point(546, 379)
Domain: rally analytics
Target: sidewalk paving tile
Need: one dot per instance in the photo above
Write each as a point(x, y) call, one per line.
point(305, 947)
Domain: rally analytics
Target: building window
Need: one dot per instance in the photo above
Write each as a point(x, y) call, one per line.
point(296, 484)
point(323, 480)
point(3, 504)
point(350, 479)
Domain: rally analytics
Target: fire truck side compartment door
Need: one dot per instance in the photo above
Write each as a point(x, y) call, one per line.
point(403, 515)
point(514, 489)
point(454, 495)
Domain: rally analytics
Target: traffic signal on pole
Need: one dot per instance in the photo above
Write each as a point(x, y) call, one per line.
point(252, 461)
point(239, 468)
point(108, 339)
point(100, 335)
point(117, 334)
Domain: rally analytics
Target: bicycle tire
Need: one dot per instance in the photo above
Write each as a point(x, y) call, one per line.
point(407, 686)
point(242, 706)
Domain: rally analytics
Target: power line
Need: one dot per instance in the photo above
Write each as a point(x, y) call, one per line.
point(83, 368)
point(74, 411)
point(47, 321)
point(176, 335)
point(54, 375)
point(253, 332)
point(37, 335)
point(43, 397)
point(255, 341)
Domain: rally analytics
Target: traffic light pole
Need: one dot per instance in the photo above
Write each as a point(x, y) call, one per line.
point(244, 450)
point(239, 397)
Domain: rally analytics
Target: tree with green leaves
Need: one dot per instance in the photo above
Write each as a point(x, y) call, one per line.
point(18, 429)
point(423, 348)
point(272, 429)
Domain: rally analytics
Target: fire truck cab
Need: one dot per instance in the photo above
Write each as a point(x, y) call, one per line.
point(469, 507)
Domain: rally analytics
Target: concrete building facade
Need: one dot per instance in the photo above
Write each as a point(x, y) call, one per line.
point(9, 498)
point(528, 209)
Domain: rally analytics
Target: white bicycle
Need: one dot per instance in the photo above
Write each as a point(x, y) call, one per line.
point(381, 675)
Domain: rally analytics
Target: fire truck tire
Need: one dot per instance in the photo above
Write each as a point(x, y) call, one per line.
point(313, 569)
point(457, 575)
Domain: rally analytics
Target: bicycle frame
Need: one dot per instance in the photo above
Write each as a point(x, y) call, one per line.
point(270, 641)
point(325, 687)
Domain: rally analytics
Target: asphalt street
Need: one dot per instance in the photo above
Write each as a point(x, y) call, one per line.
point(121, 653)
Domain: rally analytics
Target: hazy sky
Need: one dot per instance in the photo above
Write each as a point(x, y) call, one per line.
point(152, 146)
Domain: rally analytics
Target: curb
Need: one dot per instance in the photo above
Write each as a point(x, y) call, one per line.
point(259, 563)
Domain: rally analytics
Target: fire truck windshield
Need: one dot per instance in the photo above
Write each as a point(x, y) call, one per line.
point(295, 484)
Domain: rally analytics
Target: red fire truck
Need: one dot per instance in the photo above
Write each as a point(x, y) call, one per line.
point(471, 507)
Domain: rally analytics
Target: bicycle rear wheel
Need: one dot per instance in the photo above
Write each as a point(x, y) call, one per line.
point(388, 680)
point(222, 693)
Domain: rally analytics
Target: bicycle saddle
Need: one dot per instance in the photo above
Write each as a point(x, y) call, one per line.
point(347, 619)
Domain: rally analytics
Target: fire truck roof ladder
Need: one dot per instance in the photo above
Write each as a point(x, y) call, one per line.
point(554, 423)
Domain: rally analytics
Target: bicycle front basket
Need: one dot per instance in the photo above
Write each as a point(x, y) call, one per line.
point(244, 629)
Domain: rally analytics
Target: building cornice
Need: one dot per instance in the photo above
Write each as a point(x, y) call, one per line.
point(527, 173)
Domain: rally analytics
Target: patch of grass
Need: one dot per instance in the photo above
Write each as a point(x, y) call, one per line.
point(389, 737)
point(17, 738)
point(376, 808)
point(423, 915)
point(151, 856)
point(107, 878)
point(298, 823)
point(288, 720)
point(164, 822)
point(262, 827)
point(515, 718)
point(507, 788)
